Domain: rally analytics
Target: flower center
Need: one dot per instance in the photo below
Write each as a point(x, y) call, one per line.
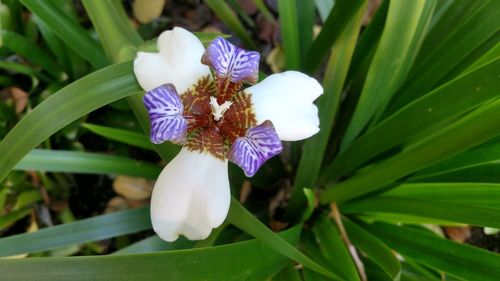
point(217, 114)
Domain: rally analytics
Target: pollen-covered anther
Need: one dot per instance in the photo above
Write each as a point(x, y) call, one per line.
point(218, 110)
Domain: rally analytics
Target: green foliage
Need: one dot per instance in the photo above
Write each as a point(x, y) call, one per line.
point(410, 135)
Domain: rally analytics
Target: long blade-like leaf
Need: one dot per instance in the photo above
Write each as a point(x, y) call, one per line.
point(86, 162)
point(68, 104)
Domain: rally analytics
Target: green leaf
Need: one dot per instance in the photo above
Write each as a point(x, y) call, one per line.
point(30, 51)
point(69, 31)
point(155, 244)
point(405, 26)
point(314, 148)
point(128, 137)
point(86, 163)
point(288, 17)
point(65, 106)
point(475, 128)
point(333, 248)
point(484, 195)
point(458, 259)
point(245, 221)
point(117, 36)
point(343, 11)
point(12, 217)
point(92, 229)
point(484, 155)
point(249, 260)
point(375, 249)
point(288, 273)
point(23, 69)
point(426, 208)
point(450, 52)
point(224, 12)
point(467, 92)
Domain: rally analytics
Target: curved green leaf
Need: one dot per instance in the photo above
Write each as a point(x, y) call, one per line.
point(463, 40)
point(68, 30)
point(467, 92)
point(458, 259)
point(375, 249)
point(92, 229)
point(475, 128)
point(22, 46)
point(86, 163)
point(68, 104)
point(245, 221)
point(426, 208)
point(132, 138)
point(249, 260)
point(485, 195)
point(405, 27)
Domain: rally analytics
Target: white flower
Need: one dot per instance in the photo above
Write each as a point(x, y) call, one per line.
point(216, 121)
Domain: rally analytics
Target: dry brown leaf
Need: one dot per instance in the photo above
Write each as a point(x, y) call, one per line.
point(146, 11)
point(133, 188)
point(20, 99)
point(458, 234)
point(276, 59)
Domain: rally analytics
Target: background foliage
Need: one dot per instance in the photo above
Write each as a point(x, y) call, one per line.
point(407, 154)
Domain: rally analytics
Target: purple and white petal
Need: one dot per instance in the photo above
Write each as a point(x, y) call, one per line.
point(165, 113)
point(286, 99)
point(259, 144)
point(229, 61)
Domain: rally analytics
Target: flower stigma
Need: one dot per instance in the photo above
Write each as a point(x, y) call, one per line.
point(219, 110)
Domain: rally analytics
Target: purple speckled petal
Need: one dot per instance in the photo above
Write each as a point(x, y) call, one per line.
point(259, 144)
point(229, 61)
point(165, 113)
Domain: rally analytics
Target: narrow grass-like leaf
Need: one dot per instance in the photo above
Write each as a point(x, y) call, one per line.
point(128, 137)
point(86, 163)
point(403, 33)
point(443, 210)
point(249, 260)
point(155, 244)
point(23, 69)
point(484, 24)
point(334, 248)
point(70, 32)
point(288, 273)
point(484, 195)
point(120, 40)
point(288, 16)
point(343, 11)
point(455, 14)
point(92, 229)
point(328, 104)
point(224, 12)
point(476, 128)
point(458, 259)
point(68, 104)
point(12, 217)
point(486, 154)
point(244, 220)
point(30, 51)
point(467, 92)
point(374, 248)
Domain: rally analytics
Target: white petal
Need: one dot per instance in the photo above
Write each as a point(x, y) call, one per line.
point(178, 62)
point(286, 99)
point(191, 196)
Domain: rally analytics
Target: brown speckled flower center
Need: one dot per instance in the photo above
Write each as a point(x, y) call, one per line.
point(204, 133)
